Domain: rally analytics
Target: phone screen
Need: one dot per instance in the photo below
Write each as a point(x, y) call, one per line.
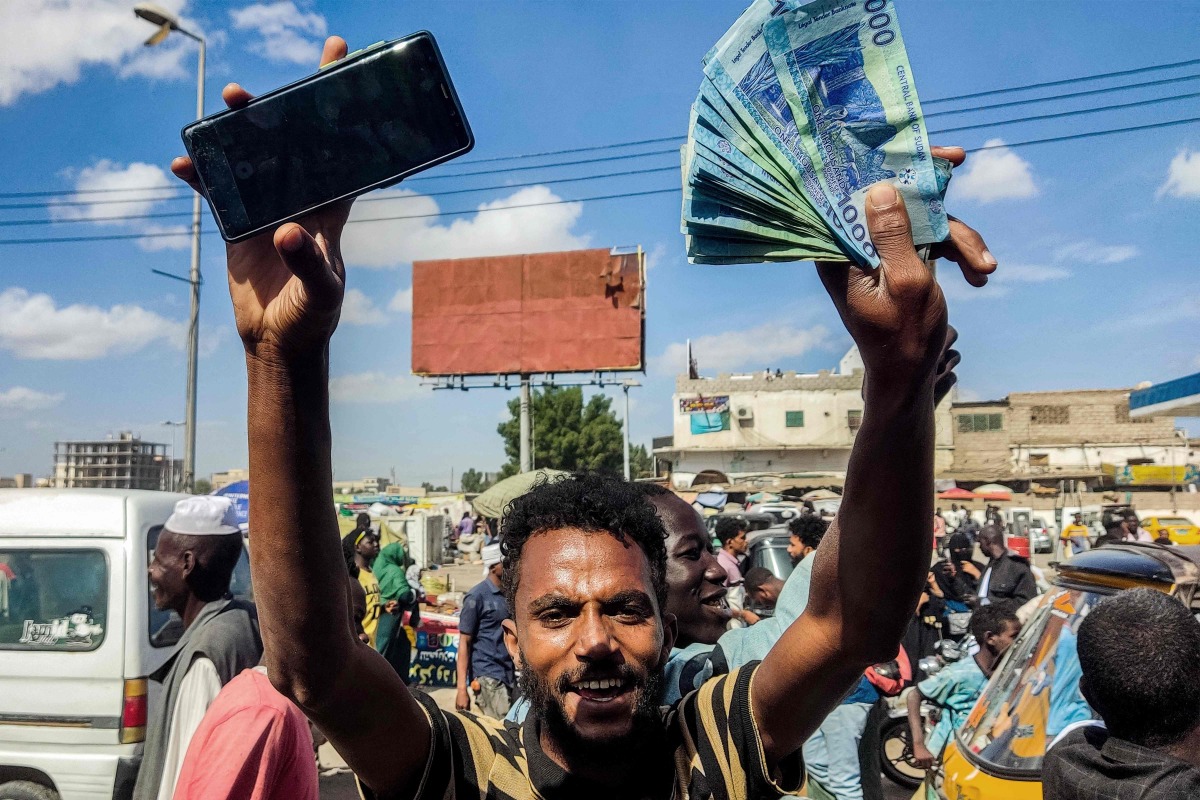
point(384, 115)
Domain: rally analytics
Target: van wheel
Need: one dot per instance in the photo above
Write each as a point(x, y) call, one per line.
point(26, 790)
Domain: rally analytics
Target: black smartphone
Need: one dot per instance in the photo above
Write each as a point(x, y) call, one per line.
point(367, 121)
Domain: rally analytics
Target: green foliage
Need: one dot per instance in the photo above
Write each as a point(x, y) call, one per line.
point(201, 486)
point(567, 433)
point(474, 481)
point(641, 465)
point(429, 487)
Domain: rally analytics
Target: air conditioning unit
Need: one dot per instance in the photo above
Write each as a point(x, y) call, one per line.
point(743, 412)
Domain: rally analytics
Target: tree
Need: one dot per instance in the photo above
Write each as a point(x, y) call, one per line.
point(641, 465)
point(567, 434)
point(474, 481)
point(429, 487)
point(201, 486)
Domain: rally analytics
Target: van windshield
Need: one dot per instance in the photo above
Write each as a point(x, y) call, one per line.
point(53, 599)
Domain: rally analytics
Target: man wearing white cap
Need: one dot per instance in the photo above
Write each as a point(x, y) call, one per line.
point(483, 661)
point(190, 572)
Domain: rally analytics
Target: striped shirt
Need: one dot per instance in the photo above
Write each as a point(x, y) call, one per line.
point(710, 750)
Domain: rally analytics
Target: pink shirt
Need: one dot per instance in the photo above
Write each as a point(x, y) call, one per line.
point(729, 561)
point(253, 744)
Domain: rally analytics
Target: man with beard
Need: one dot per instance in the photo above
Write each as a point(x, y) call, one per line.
point(585, 559)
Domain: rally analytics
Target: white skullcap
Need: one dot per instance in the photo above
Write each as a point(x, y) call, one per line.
point(204, 515)
point(491, 556)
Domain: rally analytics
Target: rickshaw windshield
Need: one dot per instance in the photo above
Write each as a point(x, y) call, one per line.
point(1035, 693)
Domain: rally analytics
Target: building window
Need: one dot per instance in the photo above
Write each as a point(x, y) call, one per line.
point(1039, 459)
point(854, 418)
point(1050, 415)
point(980, 423)
point(794, 419)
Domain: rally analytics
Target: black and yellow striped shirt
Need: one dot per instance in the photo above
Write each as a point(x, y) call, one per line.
point(711, 750)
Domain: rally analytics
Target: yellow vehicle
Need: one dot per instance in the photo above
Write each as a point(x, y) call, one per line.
point(1034, 692)
point(1181, 530)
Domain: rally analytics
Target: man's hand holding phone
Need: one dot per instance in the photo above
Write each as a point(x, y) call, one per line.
point(287, 286)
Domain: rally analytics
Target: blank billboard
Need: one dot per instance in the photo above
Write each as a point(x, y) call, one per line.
point(575, 311)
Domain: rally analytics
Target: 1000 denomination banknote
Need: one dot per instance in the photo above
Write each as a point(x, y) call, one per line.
point(843, 70)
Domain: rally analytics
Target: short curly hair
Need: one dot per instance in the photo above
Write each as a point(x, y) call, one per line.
point(589, 501)
point(809, 529)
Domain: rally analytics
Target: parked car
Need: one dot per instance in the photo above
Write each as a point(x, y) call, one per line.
point(780, 512)
point(754, 522)
point(1034, 692)
point(79, 634)
point(1181, 531)
point(1043, 535)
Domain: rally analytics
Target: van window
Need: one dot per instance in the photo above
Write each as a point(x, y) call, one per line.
point(53, 599)
point(1035, 691)
point(165, 627)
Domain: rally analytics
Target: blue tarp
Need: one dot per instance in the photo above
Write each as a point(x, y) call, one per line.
point(239, 493)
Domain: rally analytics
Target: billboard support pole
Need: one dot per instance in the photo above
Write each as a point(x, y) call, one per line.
point(625, 428)
point(526, 450)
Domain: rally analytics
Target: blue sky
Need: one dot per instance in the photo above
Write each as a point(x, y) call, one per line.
point(1095, 238)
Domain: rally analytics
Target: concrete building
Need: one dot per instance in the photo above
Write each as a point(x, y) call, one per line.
point(362, 486)
point(220, 480)
point(773, 422)
point(22, 480)
point(120, 462)
point(1045, 437)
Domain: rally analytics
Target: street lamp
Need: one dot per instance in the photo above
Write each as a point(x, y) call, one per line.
point(167, 22)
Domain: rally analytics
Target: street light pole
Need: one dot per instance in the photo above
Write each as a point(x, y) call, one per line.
point(168, 22)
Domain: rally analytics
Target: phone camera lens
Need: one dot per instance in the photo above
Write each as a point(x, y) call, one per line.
point(243, 170)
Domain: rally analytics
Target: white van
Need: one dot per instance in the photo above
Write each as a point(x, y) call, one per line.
point(78, 636)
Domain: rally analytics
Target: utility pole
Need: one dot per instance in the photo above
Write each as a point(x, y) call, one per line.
point(625, 386)
point(167, 22)
point(526, 450)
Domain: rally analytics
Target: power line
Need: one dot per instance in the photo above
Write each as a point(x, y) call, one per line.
point(1061, 114)
point(120, 236)
point(660, 140)
point(1065, 96)
point(1063, 81)
point(1025, 143)
point(375, 199)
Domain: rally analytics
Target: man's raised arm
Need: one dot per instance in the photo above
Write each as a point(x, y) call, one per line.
point(287, 294)
point(872, 563)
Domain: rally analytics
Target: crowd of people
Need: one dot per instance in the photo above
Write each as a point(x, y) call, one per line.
point(605, 602)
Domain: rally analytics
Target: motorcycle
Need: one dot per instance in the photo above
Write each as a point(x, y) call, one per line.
point(895, 738)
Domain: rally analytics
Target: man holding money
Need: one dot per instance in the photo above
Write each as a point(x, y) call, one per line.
point(584, 561)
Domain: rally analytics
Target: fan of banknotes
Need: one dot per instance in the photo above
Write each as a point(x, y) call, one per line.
point(803, 106)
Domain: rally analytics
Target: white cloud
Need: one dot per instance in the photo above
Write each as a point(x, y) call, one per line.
point(991, 175)
point(1005, 279)
point(32, 326)
point(1088, 252)
point(287, 33)
point(498, 229)
point(48, 43)
point(358, 309)
point(22, 398)
point(108, 189)
point(759, 347)
point(401, 301)
point(1183, 176)
point(373, 387)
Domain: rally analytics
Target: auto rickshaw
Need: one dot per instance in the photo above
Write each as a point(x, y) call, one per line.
point(1034, 692)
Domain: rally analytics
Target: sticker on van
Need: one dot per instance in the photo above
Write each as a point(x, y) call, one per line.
point(76, 630)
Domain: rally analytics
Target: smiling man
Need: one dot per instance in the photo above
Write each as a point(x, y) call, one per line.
point(588, 560)
point(190, 572)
